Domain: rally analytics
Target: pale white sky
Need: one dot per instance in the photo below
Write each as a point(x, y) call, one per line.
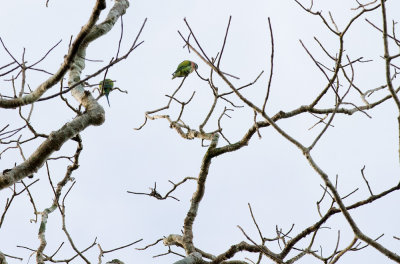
point(270, 173)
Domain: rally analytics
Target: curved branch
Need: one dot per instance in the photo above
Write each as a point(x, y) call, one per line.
point(68, 61)
point(94, 114)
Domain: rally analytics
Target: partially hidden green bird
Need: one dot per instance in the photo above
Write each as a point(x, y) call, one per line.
point(106, 88)
point(115, 261)
point(184, 69)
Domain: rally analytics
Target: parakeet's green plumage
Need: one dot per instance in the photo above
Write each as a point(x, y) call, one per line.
point(106, 88)
point(184, 69)
point(115, 261)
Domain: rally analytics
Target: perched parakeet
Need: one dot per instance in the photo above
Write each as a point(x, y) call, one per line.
point(108, 85)
point(184, 69)
point(115, 261)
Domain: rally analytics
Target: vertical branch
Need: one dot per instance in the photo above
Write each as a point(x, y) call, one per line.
point(55, 204)
point(223, 45)
point(197, 197)
point(387, 56)
point(387, 67)
point(43, 224)
point(272, 64)
point(23, 70)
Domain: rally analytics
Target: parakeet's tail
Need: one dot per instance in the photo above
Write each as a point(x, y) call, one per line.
point(108, 101)
point(173, 76)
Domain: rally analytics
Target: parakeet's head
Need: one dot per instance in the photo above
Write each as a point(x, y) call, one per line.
point(108, 84)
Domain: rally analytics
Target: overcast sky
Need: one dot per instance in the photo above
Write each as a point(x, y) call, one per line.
point(270, 173)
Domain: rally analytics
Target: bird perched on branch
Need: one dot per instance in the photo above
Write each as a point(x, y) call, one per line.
point(184, 69)
point(106, 88)
point(115, 261)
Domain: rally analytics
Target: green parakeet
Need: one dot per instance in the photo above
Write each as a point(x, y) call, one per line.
point(115, 261)
point(108, 85)
point(184, 69)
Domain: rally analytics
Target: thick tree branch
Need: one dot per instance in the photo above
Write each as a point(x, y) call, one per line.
point(68, 61)
point(94, 114)
point(197, 196)
point(193, 258)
